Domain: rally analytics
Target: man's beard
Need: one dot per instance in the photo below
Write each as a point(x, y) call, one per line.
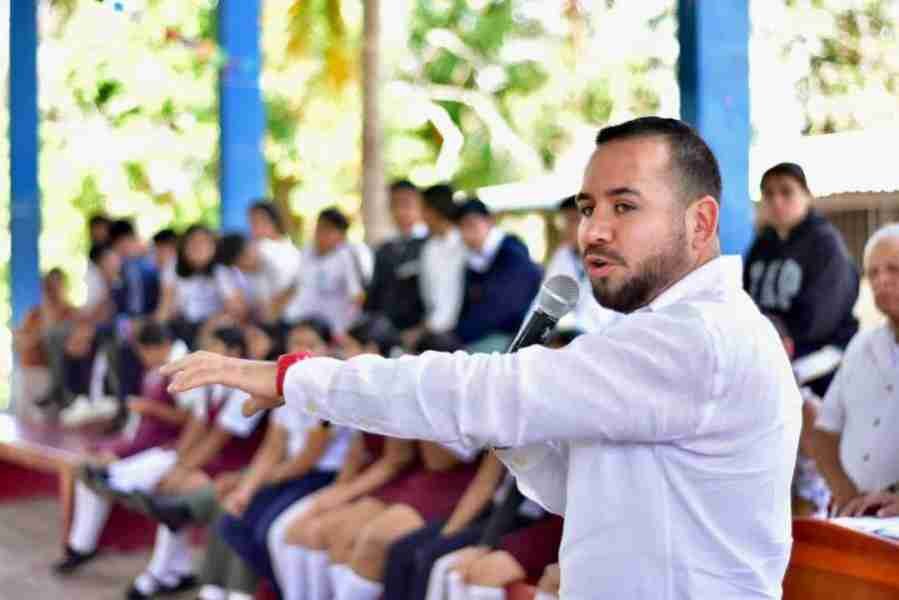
point(655, 274)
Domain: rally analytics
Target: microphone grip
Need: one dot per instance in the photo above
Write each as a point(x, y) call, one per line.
point(535, 330)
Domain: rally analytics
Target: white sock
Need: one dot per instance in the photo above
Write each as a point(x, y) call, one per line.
point(356, 587)
point(171, 556)
point(438, 580)
point(483, 592)
point(455, 586)
point(288, 562)
point(89, 516)
point(541, 595)
point(336, 575)
point(239, 596)
point(212, 592)
point(318, 583)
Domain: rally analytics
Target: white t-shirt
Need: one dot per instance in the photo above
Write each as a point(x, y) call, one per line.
point(328, 288)
point(588, 315)
point(279, 269)
point(298, 425)
point(97, 288)
point(199, 297)
point(862, 405)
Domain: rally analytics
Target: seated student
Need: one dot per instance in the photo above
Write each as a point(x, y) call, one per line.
point(501, 281)
point(277, 269)
point(161, 416)
point(372, 462)
point(193, 289)
point(332, 281)
point(427, 493)
point(217, 439)
point(299, 456)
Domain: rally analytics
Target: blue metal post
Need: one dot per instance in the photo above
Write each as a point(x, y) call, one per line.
point(25, 204)
point(242, 176)
point(713, 73)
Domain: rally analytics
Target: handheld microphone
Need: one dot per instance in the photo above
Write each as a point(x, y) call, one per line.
point(558, 295)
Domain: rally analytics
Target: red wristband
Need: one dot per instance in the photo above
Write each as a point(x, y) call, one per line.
point(284, 363)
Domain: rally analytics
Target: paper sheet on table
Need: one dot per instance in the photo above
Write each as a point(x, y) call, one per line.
point(888, 527)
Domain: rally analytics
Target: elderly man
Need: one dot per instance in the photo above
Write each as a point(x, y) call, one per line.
point(856, 445)
point(667, 441)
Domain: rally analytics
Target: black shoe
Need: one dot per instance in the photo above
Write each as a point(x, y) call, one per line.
point(174, 513)
point(185, 582)
point(72, 561)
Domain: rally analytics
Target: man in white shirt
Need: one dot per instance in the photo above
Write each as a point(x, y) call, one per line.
point(588, 315)
point(273, 261)
point(442, 278)
point(331, 285)
point(668, 441)
point(856, 445)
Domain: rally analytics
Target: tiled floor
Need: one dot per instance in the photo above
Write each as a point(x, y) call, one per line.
point(29, 543)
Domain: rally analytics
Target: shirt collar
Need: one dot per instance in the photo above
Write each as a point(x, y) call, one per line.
point(419, 231)
point(718, 273)
point(481, 261)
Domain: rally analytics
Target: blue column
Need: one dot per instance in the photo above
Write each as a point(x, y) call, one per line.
point(25, 203)
point(713, 73)
point(242, 176)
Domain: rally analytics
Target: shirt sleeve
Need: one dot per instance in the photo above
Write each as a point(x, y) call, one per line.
point(232, 419)
point(541, 472)
point(832, 417)
point(647, 379)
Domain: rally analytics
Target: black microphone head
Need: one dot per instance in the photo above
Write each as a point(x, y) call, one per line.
point(558, 295)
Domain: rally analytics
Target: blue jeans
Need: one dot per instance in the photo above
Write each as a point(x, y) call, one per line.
point(247, 534)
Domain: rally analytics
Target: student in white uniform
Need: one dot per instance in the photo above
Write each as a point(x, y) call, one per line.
point(856, 445)
point(332, 280)
point(276, 268)
point(667, 442)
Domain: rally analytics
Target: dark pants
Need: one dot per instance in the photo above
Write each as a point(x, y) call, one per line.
point(411, 558)
point(247, 534)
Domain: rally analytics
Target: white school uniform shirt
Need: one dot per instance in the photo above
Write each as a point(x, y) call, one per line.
point(667, 441)
point(588, 315)
point(442, 280)
point(199, 296)
point(230, 418)
point(328, 287)
point(862, 405)
point(280, 267)
point(298, 424)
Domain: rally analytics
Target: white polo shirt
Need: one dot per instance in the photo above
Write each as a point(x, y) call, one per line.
point(328, 287)
point(667, 441)
point(862, 405)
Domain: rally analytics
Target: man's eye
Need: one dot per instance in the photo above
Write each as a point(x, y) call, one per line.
point(586, 211)
point(622, 208)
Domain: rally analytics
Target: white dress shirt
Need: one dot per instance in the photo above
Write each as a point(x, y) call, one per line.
point(862, 405)
point(442, 280)
point(279, 268)
point(667, 441)
point(588, 315)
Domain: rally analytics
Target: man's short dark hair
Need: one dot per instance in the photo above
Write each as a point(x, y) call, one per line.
point(787, 169)
point(317, 324)
point(154, 333)
point(335, 218)
point(271, 211)
point(165, 236)
point(473, 206)
point(119, 229)
point(693, 164)
point(403, 184)
point(232, 338)
point(569, 203)
point(99, 219)
point(230, 247)
point(439, 198)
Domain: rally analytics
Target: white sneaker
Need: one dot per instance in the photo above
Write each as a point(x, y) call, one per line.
point(76, 413)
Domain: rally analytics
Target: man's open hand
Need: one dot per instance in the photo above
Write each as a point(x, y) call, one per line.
point(256, 378)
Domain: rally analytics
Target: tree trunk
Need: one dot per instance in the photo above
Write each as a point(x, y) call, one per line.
point(375, 213)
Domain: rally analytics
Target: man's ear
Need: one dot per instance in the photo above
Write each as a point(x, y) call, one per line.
point(702, 223)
